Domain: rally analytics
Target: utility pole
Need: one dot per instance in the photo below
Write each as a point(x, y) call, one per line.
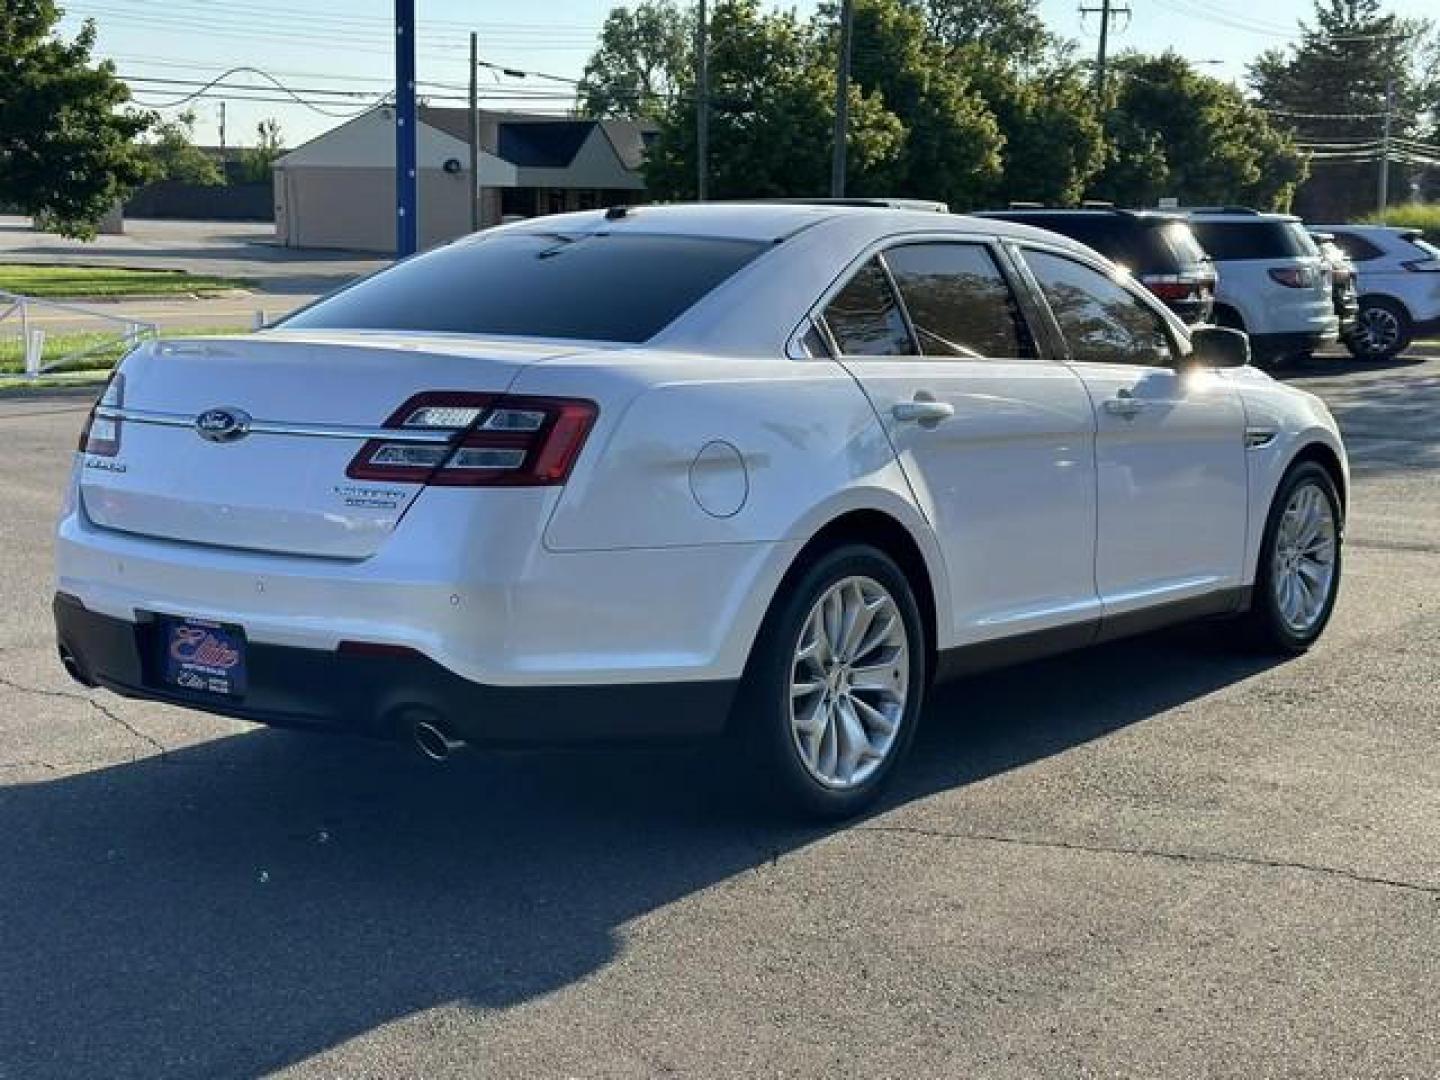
point(702, 106)
point(222, 129)
point(842, 101)
point(1107, 11)
point(474, 132)
point(1383, 195)
point(407, 195)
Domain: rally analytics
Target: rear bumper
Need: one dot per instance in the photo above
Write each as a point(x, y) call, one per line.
point(1289, 344)
point(380, 695)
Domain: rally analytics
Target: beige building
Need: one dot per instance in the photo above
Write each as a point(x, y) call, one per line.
point(338, 190)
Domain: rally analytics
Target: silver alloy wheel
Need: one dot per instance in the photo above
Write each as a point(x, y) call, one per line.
point(1303, 568)
point(849, 682)
point(1378, 330)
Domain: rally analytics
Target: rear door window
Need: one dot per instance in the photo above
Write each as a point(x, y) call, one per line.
point(1101, 320)
point(865, 317)
point(593, 287)
point(958, 300)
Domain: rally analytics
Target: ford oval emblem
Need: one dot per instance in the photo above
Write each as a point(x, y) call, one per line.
point(223, 425)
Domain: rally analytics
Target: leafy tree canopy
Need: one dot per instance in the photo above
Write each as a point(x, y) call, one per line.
point(952, 143)
point(645, 53)
point(257, 161)
point(1330, 87)
point(67, 150)
point(1012, 29)
point(772, 137)
point(1177, 132)
point(174, 156)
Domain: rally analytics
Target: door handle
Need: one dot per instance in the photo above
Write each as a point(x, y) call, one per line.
point(926, 413)
point(1125, 404)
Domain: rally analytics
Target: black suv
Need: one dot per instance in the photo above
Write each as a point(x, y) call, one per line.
point(1157, 247)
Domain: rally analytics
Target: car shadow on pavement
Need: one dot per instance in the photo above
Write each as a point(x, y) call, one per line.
point(253, 901)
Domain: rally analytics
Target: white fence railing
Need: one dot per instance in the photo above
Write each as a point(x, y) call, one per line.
point(22, 313)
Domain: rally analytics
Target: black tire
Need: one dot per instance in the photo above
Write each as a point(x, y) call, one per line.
point(1265, 626)
point(1364, 343)
point(769, 756)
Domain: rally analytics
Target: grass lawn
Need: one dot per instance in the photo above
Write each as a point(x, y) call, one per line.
point(84, 282)
point(106, 350)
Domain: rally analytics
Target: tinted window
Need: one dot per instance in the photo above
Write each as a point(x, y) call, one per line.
point(865, 319)
point(603, 288)
point(1182, 242)
point(1357, 247)
point(1101, 320)
point(1235, 240)
point(958, 301)
point(1426, 249)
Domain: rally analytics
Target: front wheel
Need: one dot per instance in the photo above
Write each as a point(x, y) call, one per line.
point(1298, 577)
point(833, 691)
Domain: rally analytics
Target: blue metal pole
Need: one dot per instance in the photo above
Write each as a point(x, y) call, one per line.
point(407, 194)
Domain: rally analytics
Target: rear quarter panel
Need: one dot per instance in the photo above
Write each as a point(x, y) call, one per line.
point(691, 451)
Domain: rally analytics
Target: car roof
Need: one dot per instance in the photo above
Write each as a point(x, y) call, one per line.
point(1404, 231)
point(768, 221)
point(1238, 214)
point(1020, 213)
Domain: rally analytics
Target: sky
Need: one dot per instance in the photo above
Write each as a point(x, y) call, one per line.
point(344, 48)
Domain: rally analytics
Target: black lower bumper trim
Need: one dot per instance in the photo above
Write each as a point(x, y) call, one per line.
point(1268, 345)
point(375, 694)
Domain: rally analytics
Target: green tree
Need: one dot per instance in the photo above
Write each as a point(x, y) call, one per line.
point(952, 142)
point(257, 161)
point(1010, 29)
point(174, 156)
point(1174, 131)
point(1330, 89)
point(771, 134)
point(67, 151)
point(1054, 142)
point(645, 53)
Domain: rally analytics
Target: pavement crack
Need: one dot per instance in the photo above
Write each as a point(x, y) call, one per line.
point(103, 710)
point(1212, 857)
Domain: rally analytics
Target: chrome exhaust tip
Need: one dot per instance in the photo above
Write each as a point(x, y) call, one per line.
point(432, 741)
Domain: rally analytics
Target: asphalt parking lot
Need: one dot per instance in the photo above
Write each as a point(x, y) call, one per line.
point(1159, 858)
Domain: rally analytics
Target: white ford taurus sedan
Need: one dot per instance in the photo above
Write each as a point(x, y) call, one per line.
point(759, 470)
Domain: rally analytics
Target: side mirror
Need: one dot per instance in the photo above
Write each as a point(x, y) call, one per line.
point(1219, 347)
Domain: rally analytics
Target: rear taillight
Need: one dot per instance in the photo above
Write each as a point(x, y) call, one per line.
point(1177, 286)
point(1293, 277)
point(478, 440)
point(101, 434)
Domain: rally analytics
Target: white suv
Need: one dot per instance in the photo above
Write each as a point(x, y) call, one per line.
point(1398, 275)
point(687, 470)
point(1274, 283)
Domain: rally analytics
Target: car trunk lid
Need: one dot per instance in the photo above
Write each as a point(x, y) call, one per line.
point(246, 442)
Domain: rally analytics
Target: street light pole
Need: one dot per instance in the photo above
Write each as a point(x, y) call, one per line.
point(1383, 195)
point(842, 102)
point(407, 196)
point(702, 106)
point(474, 132)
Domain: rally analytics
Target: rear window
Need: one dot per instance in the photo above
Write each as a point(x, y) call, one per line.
point(596, 287)
point(1357, 247)
point(1182, 242)
point(1141, 245)
point(1236, 240)
point(1427, 250)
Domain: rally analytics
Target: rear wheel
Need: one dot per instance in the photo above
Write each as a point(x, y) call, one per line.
point(1381, 330)
point(833, 691)
point(1298, 577)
